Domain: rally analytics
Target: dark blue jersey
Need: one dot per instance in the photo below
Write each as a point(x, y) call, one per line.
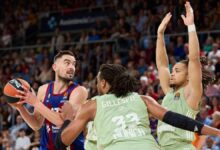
point(49, 131)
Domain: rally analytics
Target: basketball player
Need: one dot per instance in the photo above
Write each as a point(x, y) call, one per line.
point(50, 99)
point(183, 87)
point(120, 115)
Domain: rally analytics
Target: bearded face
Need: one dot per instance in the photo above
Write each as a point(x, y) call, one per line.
point(64, 68)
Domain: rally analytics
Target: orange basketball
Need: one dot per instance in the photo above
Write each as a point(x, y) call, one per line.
point(11, 87)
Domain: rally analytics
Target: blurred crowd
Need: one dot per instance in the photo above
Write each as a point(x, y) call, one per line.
point(19, 20)
point(133, 45)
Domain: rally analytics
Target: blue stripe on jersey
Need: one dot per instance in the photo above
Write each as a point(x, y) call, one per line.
point(49, 130)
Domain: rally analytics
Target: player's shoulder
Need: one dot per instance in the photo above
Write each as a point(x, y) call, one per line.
point(81, 89)
point(80, 92)
point(43, 88)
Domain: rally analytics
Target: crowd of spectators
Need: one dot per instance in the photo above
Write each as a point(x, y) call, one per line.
point(134, 18)
point(133, 29)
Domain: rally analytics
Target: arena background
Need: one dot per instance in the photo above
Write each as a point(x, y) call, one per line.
point(101, 31)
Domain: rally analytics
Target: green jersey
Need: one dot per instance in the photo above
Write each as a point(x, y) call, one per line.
point(91, 138)
point(169, 135)
point(123, 123)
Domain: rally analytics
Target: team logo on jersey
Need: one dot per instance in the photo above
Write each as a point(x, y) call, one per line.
point(177, 96)
point(65, 95)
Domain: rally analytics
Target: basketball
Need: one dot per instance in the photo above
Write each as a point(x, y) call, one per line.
point(10, 89)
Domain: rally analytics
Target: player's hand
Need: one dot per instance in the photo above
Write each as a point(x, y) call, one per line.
point(164, 23)
point(68, 112)
point(189, 18)
point(27, 96)
point(17, 105)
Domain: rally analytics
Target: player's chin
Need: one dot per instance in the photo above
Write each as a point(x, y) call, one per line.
point(172, 84)
point(70, 76)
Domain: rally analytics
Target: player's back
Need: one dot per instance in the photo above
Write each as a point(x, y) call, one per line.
point(123, 123)
point(49, 131)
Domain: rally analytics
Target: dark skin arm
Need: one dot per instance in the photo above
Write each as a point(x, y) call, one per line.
point(152, 105)
point(85, 114)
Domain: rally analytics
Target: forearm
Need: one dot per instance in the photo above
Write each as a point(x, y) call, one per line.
point(50, 115)
point(207, 130)
point(29, 118)
point(187, 123)
point(193, 44)
point(161, 54)
point(59, 142)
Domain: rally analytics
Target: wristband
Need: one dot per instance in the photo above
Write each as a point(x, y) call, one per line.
point(191, 28)
point(59, 143)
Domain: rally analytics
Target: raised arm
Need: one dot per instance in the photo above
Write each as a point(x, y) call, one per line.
point(177, 120)
point(161, 55)
point(194, 67)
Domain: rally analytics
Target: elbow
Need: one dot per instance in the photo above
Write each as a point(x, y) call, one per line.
point(36, 128)
point(65, 141)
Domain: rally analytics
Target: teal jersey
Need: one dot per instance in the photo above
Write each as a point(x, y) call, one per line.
point(123, 123)
point(91, 137)
point(169, 135)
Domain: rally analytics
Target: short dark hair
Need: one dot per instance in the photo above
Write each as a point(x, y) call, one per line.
point(64, 52)
point(22, 129)
point(120, 80)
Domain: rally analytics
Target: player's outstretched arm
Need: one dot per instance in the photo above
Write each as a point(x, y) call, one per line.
point(161, 55)
point(176, 119)
point(194, 67)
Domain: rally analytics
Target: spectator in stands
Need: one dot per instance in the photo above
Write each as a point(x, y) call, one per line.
point(20, 124)
point(132, 70)
point(210, 144)
point(144, 85)
point(6, 141)
point(57, 41)
point(179, 52)
point(204, 117)
point(142, 66)
point(46, 74)
point(214, 54)
point(210, 66)
point(212, 90)
point(23, 141)
point(6, 37)
point(94, 36)
point(142, 19)
point(215, 106)
point(207, 47)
